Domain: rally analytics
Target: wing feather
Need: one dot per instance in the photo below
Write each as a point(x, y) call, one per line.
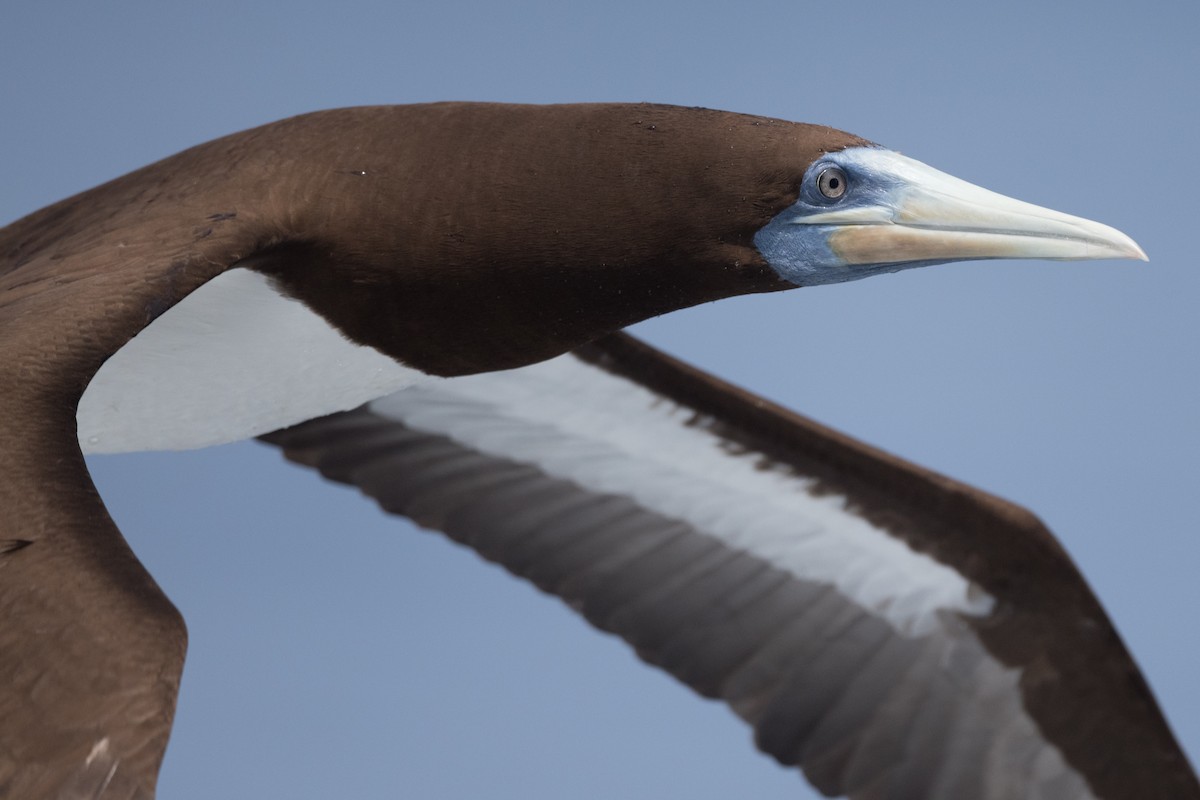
point(843, 603)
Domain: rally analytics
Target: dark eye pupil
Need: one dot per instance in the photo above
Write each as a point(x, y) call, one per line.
point(833, 183)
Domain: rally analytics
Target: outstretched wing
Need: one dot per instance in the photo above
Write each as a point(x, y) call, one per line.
point(893, 633)
point(90, 649)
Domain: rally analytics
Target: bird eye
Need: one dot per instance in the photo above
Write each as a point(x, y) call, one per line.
point(832, 182)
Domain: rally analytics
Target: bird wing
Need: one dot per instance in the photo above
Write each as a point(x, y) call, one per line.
point(892, 632)
point(91, 650)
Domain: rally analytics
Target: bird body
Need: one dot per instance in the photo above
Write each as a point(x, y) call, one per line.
point(461, 269)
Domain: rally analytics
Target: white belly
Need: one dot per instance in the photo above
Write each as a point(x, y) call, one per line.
point(232, 360)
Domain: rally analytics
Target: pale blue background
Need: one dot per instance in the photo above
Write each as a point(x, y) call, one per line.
point(338, 653)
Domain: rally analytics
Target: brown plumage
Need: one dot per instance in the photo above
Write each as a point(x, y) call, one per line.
point(457, 239)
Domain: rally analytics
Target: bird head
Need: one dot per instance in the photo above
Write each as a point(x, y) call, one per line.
point(863, 211)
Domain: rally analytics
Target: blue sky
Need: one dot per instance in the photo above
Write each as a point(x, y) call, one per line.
point(336, 652)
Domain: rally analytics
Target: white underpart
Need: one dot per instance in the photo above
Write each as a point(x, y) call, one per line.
point(232, 360)
point(236, 359)
point(605, 433)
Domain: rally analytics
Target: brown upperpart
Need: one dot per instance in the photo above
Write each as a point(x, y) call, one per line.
point(455, 237)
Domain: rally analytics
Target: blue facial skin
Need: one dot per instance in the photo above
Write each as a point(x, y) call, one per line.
point(800, 253)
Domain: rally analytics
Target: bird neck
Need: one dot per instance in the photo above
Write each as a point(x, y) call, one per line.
point(541, 228)
point(454, 238)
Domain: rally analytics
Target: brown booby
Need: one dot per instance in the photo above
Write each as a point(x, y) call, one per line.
point(432, 293)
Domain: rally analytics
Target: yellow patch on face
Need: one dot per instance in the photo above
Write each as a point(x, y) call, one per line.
point(883, 244)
